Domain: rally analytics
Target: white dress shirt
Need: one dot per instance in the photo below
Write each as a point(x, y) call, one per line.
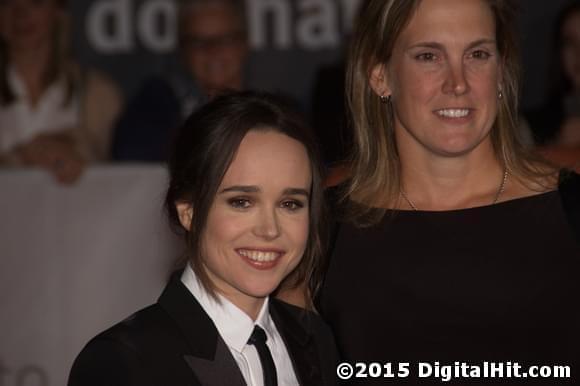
point(235, 328)
point(20, 122)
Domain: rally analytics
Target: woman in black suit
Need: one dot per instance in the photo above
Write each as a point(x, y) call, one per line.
point(245, 187)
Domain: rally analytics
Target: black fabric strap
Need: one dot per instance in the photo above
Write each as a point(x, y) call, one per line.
point(569, 188)
point(258, 339)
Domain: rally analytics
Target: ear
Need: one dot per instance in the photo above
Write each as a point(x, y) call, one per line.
point(185, 213)
point(500, 75)
point(378, 80)
point(500, 85)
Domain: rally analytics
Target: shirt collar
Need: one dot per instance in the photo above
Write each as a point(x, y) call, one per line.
point(17, 85)
point(233, 324)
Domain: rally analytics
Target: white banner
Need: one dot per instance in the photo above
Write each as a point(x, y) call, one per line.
point(75, 260)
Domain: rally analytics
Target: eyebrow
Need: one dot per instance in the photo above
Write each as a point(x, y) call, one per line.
point(255, 189)
point(240, 188)
point(297, 191)
point(441, 46)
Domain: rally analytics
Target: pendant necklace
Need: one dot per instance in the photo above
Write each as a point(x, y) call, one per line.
point(495, 199)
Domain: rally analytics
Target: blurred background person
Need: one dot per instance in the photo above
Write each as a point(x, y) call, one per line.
point(556, 125)
point(213, 48)
point(53, 113)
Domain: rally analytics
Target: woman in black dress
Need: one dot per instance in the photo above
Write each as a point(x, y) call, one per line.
point(458, 244)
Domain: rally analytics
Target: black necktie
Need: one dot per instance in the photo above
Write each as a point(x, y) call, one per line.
point(258, 339)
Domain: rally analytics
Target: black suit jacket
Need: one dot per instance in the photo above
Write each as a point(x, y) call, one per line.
point(175, 343)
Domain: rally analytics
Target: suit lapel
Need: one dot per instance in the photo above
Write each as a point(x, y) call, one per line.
point(299, 342)
point(223, 368)
point(207, 354)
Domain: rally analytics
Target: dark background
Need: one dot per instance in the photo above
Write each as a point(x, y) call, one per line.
point(290, 40)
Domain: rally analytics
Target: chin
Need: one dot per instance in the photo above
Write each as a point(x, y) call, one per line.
point(455, 151)
point(259, 291)
point(456, 146)
point(262, 288)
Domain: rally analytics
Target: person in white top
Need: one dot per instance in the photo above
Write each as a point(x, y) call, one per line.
point(245, 190)
point(53, 114)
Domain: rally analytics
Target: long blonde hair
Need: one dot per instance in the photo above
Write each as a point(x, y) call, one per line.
point(375, 170)
point(60, 64)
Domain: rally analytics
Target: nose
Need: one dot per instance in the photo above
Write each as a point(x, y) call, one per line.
point(455, 80)
point(267, 224)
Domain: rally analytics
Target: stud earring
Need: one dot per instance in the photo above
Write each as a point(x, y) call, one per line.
point(385, 98)
point(499, 93)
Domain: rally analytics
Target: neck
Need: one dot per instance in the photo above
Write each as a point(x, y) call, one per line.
point(446, 183)
point(249, 304)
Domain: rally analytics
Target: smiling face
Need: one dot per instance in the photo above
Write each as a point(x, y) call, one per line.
point(443, 78)
point(213, 46)
point(28, 24)
point(257, 226)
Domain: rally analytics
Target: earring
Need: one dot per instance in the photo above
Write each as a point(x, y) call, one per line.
point(499, 93)
point(385, 98)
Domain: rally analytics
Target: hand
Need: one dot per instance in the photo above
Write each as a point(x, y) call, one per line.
point(57, 154)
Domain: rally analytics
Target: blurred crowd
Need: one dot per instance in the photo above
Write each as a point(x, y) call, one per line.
point(61, 116)
point(555, 126)
point(54, 114)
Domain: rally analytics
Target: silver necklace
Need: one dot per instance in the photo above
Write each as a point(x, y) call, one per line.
point(495, 199)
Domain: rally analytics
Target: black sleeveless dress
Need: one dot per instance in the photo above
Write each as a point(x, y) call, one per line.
point(492, 283)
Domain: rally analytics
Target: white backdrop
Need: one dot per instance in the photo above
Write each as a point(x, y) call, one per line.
point(74, 260)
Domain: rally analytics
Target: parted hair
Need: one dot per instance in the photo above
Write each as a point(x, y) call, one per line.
point(60, 64)
point(203, 151)
point(374, 163)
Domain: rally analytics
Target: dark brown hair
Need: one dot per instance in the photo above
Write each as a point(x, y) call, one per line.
point(203, 150)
